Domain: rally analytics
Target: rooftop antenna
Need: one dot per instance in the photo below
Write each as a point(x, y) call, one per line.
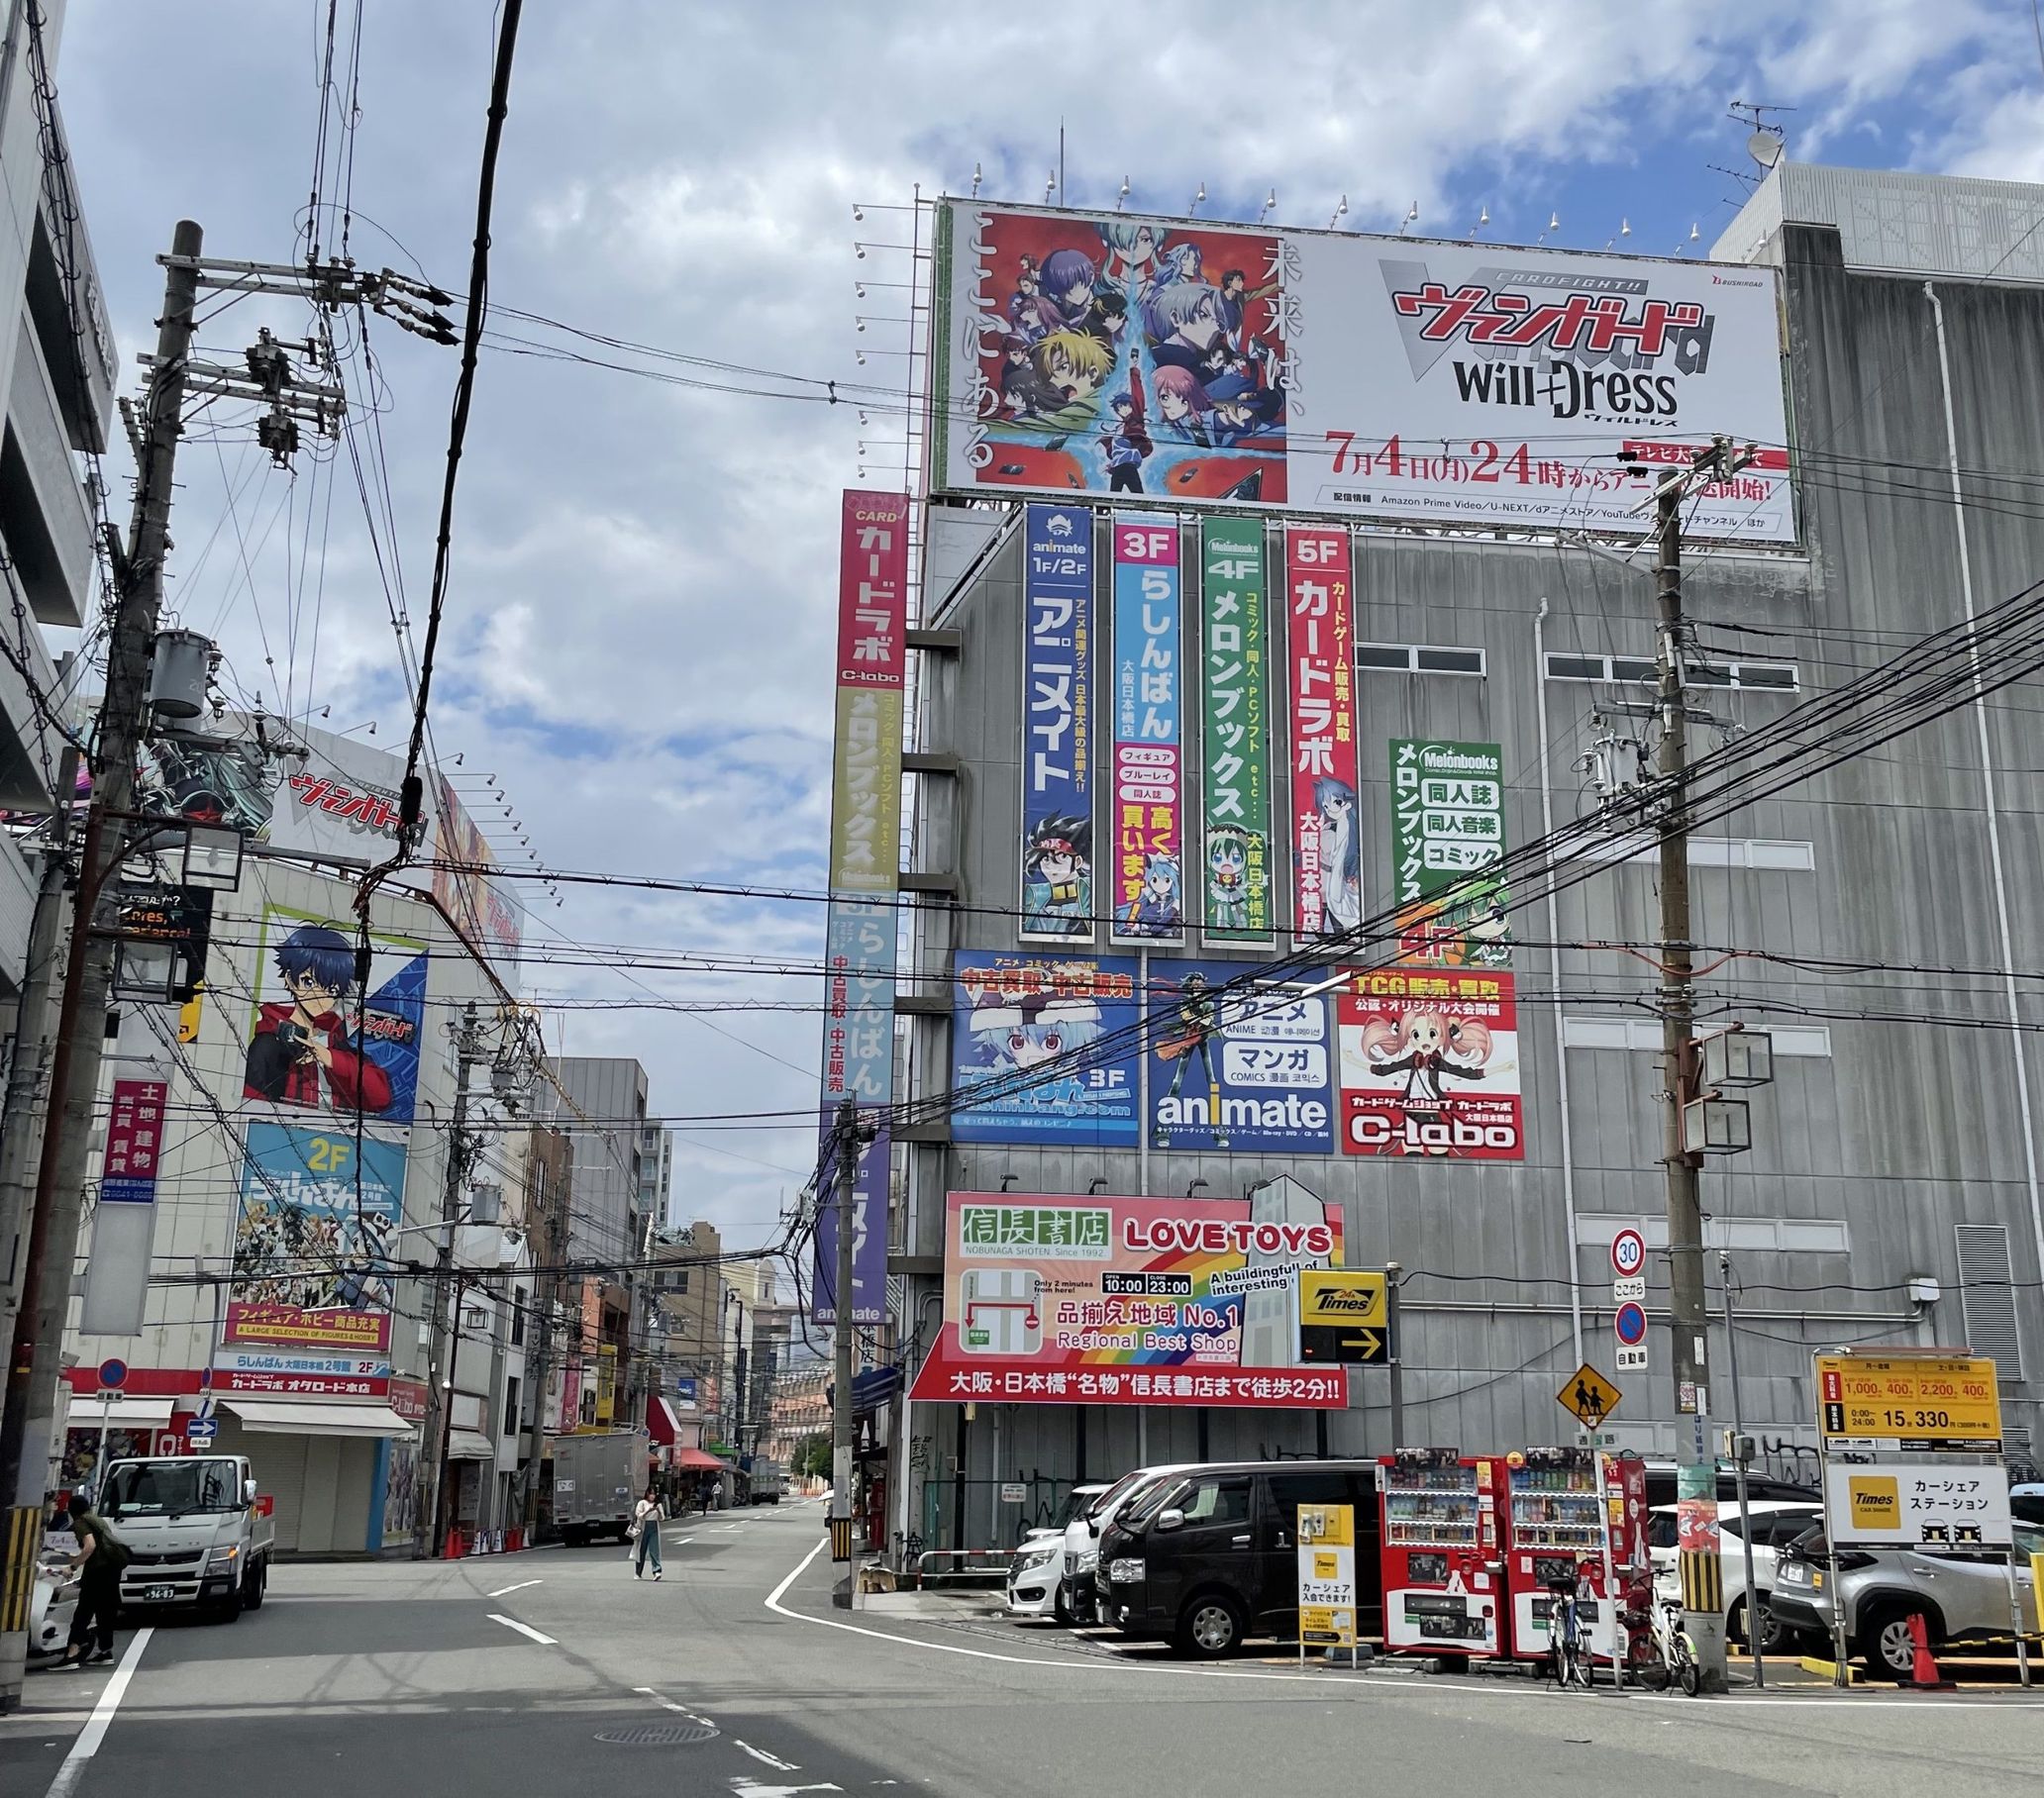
point(976, 180)
point(1483, 218)
point(1198, 200)
point(1554, 223)
point(1121, 199)
point(1050, 185)
point(1269, 206)
point(1411, 217)
point(1767, 143)
point(1340, 213)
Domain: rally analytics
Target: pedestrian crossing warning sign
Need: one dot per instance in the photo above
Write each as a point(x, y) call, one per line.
point(1589, 1396)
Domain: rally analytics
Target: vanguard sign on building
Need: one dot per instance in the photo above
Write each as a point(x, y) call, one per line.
point(1375, 377)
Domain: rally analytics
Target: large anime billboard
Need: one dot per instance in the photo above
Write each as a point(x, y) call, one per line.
point(1376, 377)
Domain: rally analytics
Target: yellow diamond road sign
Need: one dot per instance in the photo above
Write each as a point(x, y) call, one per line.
point(1590, 1396)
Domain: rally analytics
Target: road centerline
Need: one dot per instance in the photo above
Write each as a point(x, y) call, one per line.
point(505, 1591)
point(524, 1629)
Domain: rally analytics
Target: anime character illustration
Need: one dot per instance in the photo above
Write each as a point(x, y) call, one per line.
point(1229, 884)
point(1341, 856)
point(297, 1041)
point(1468, 926)
point(1428, 1048)
point(1021, 393)
point(1235, 301)
point(1070, 368)
point(1153, 911)
point(1128, 442)
point(1187, 1033)
point(1131, 258)
point(1030, 315)
point(1058, 893)
point(226, 785)
point(1021, 1032)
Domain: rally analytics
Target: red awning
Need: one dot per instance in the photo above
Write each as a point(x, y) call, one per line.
point(661, 1422)
point(694, 1460)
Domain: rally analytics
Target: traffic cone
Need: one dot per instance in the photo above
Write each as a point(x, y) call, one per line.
point(1925, 1674)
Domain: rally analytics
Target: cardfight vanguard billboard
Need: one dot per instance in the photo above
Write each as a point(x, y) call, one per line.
point(1051, 1299)
point(1375, 377)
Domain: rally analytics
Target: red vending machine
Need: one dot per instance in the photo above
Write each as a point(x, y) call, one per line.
point(1572, 1515)
point(1442, 1589)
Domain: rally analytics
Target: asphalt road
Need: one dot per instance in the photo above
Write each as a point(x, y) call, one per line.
point(385, 1680)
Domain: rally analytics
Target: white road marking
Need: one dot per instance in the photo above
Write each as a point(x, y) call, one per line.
point(679, 1540)
point(751, 1788)
point(94, 1732)
point(503, 1591)
point(761, 1755)
point(679, 1710)
point(524, 1629)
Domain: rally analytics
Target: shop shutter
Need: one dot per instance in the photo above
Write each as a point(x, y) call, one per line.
point(1986, 1296)
point(278, 1463)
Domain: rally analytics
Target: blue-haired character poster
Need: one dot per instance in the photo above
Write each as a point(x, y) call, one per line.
point(1044, 1049)
point(1116, 355)
point(323, 1039)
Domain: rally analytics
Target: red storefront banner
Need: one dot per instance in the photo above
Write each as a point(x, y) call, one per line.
point(1320, 639)
point(1430, 1064)
point(293, 1325)
point(873, 590)
point(135, 1139)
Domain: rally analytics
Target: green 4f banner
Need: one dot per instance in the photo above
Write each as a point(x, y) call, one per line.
point(1447, 830)
point(1235, 733)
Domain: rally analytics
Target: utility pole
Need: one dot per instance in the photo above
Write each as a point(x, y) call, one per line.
point(841, 1332)
point(29, 1416)
point(1742, 1452)
point(548, 1293)
point(435, 1432)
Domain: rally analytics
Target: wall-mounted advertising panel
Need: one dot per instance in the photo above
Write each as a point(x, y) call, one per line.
point(1376, 377)
point(1149, 797)
point(1234, 731)
point(1430, 1064)
point(1043, 1049)
point(1247, 1069)
point(1058, 726)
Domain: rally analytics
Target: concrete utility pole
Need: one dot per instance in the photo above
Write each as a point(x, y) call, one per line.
point(841, 1324)
point(547, 1299)
point(28, 1420)
point(434, 1434)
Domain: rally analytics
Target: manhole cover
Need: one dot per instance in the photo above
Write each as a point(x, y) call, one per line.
point(658, 1735)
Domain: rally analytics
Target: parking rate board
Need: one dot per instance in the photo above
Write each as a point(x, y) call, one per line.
point(1917, 1404)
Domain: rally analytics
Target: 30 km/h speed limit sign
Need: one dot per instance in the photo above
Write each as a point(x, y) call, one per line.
point(1628, 1252)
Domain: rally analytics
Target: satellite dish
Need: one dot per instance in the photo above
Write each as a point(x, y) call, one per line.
point(1764, 147)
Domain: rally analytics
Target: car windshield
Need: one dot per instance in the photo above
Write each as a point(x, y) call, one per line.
point(170, 1488)
point(1146, 1504)
point(1101, 1503)
point(2028, 1541)
point(1076, 1504)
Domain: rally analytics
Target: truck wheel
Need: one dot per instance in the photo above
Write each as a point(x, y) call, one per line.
point(1209, 1627)
point(229, 1609)
point(253, 1586)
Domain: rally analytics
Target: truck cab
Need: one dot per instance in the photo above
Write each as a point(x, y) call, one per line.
point(196, 1529)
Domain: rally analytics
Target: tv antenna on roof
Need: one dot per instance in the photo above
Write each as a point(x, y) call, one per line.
point(1767, 142)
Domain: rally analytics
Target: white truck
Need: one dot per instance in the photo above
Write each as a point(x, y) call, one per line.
point(196, 1529)
point(597, 1478)
point(767, 1481)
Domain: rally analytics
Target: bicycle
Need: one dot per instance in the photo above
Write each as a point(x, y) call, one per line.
point(1677, 1646)
point(1567, 1641)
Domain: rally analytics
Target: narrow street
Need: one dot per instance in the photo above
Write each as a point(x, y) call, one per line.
point(507, 1674)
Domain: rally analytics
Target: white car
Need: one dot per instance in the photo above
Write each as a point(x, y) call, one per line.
point(1066, 1580)
point(1036, 1575)
point(1775, 1522)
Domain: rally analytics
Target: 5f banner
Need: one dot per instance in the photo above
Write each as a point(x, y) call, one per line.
point(1326, 856)
point(1149, 767)
point(1234, 731)
point(1058, 726)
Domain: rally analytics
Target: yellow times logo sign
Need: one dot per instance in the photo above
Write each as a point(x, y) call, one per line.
point(1876, 1501)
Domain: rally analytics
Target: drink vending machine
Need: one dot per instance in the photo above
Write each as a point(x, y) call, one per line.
point(1574, 1517)
point(1443, 1588)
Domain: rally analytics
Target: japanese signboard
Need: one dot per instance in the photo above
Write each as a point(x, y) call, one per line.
point(1941, 1404)
point(1588, 1397)
point(1326, 850)
point(1918, 1504)
point(1430, 1064)
point(1013, 1017)
point(1057, 1299)
point(311, 1254)
point(1327, 1576)
point(1447, 829)
point(1235, 732)
point(1149, 766)
point(1250, 1070)
point(864, 875)
point(1369, 376)
point(135, 1142)
point(1058, 725)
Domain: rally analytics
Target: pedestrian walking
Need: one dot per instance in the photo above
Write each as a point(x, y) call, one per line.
point(101, 1556)
point(646, 1523)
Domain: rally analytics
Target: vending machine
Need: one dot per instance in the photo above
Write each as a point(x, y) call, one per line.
point(1443, 1591)
point(1572, 1515)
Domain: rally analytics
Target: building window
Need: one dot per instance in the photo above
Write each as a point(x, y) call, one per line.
point(1764, 855)
point(1416, 659)
point(1769, 676)
point(511, 1406)
point(518, 1303)
point(1779, 1235)
point(1798, 1039)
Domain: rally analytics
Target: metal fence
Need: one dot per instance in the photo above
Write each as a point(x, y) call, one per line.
point(989, 1521)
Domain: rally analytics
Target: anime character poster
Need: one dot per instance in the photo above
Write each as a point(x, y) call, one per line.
point(1247, 1066)
point(1234, 732)
point(1430, 1064)
point(1044, 1049)
point(318, 1042)
point(1326, 848)
point(1447, 830)
point(1119, 355)
point(485, 908)
point(312, 1240)
point(1058, 725)
point(1148, 800)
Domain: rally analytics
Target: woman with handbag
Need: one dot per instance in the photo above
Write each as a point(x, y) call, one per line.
point(646, 1523)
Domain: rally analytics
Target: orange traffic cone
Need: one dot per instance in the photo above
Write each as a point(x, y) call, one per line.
point(1925, 1674)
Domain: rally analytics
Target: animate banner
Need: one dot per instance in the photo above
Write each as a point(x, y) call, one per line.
point(1326, 850)
point(1249, 1068)
point(1058, 725)
point(1430, 1064)
point(1012, 1018)
point(1149, 785)
point(1371, 376)
point(1053, 1299)
point(1234, 731)
point(1447, 829)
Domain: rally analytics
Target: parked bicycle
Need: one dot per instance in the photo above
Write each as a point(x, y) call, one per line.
point(1567, 1636)
point(1677, 1646)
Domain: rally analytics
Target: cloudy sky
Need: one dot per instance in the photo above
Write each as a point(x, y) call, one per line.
point(636, 639)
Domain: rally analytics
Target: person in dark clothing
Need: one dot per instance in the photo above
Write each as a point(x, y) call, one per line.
point(101, 1556)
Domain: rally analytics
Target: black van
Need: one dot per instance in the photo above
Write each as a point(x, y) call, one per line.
point(1210, 1558)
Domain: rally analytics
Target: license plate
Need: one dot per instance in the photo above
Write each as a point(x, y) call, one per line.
point(149, 1592)
point(1817, 1580)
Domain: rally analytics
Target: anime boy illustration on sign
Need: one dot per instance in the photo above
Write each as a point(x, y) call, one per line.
point(1058, 895)
point(1039, 1016)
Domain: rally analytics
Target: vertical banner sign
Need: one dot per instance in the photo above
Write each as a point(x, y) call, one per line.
point(1234, 731)
point(1058, 726)
point(1447, 829)
point(1326, 855)
point(864, 875)
point(123, 1224)
point(1149, 812)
